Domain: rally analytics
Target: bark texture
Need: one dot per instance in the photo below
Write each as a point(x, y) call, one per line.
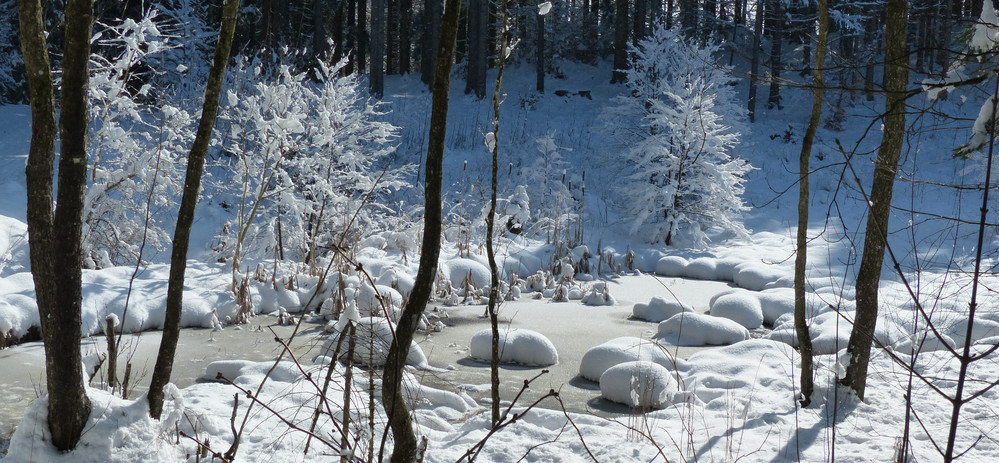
point(869, 275)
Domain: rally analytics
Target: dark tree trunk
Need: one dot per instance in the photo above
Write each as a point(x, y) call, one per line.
point(395, 405)
point(539, 54)
point(776, 14)
point(477, 24)
point(391, 37)
point(376, 76)
point(754, 75)
point(688, 17)
point(405, 41)
point(185, 216)
point(641, 14)
point(362, 35)
point(800, 307)
point(54, 238)
point(320, 42)
point(885, 166)
point(620, 42)
point(351, 37)
point(431, 37)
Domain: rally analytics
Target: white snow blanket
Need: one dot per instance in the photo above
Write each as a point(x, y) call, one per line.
point(517, 345)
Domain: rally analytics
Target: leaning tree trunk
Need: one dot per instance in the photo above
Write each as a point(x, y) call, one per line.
point(869, 275)
point(800, 316)
point(185, 216)
point(395, 406)
point(54, 238)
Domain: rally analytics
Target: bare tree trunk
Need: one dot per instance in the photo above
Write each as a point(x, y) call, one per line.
point(477, 24)
point(431, 36)
point(539, 56)
point(800, 307)
point(754, 72)
point(641, 14)
point(405, 42)
point(376, 78)
point(185, 216)
point(869, 275)
point(776, 14)
point(395, 406)
point(54, 238)
point(490, 223)
point(620, 42)
point(392, 37)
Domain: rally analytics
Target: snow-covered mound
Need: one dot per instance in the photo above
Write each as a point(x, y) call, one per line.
point(461, 270)
point(761, 366)
point(598, 294)
point(640, 384)
point(757, 276)
point(659, 309)
point(671, 266)
point(694, 329)
point(702, 268)
point(739, 307)
point(517, 345)
point(620, 350)
point(374, 337)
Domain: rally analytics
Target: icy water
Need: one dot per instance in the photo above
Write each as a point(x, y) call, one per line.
point(572, 327)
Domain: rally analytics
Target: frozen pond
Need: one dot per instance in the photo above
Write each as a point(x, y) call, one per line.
point(572, 327)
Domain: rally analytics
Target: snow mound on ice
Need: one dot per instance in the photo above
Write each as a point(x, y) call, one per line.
point(458, 270)
point(742, 308)
point(640, 384)
point(694, 329)
point(374, 337)
point(620, 350)
point(757, 365)
point(756, 276)
point(516, 345)
point(597, 295)
point(702, 268)
point(659, 309)
point(671, 266)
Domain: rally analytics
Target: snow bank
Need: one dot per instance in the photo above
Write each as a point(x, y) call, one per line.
point(694, 329)
point(702, 268)
point(757, 276)
point(739, 307)
point(374, 337)
point(516, 345)
point(760, 370)
point(458, 270)
point(118, 430)
point(641, 384)
point(659, 309)
point(671, 266)
point(620, 350)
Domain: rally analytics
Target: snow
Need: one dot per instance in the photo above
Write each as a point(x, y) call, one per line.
point(640, 384)
point(694, 329)
point(461, 270)
point(517, 345)
point(659, 309)
point(739, 307)
point(671, 266)
point(374, 336)
point(599, 358)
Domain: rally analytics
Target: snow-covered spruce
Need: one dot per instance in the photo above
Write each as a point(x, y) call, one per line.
point(639, 384)
point(620, 350)
point(659, 309)
point(517, 345)
point(694, 329)
point(683, 178)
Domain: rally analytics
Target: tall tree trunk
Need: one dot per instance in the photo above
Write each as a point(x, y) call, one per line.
point(395, 406)
point(494, 296)
point(641, 14)
point(776, 13)
point(754, 74)
point(351, 37)
point(392, 37)
point(477, 24)
point(688, 17)
point(362, 35)
point(405, 42)
point(539, 53)
point(54, 238)
point(869, 275)
point(185, 216)
point(431, 37)
point(800, 260)
point(620, 41)
point(376, 77)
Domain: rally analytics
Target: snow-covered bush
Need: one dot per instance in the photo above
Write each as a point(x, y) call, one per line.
point(659, 309)
point(599, 358)
point(640, 384)
point(694, 329)
point(680, 122)
point(303, 152)
point(137, 142)
point(741, 307)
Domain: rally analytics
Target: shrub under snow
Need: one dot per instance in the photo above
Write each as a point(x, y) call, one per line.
point(694, 329)
point(619, 350)
point(659, 309)
point(671, 266)
point(740, 307)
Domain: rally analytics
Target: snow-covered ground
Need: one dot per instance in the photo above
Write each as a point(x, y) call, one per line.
point(735, 401)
